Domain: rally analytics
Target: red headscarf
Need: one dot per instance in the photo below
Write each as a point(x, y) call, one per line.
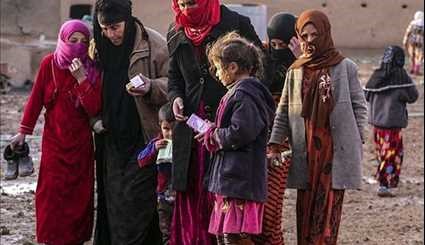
point(197, 22)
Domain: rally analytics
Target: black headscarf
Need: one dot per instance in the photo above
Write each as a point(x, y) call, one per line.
point(391, 73)
point(119, 112)
point(281, 26)
point(110, 12)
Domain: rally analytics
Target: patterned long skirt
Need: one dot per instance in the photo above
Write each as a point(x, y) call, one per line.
point(389, 150)
point(319, 207)
point(272, 221)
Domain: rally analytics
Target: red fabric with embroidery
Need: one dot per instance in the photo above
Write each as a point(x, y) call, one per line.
point(64, 201)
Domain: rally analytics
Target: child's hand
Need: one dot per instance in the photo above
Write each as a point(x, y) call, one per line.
point(159, 144)
point(200, 136)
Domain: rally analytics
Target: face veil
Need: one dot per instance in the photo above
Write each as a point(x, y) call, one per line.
point(325, 54)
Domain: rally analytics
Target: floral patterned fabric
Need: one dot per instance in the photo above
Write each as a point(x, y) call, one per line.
point(319, 207)
point(389, 150)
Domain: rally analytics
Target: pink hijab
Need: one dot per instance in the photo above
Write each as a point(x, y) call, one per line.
point(65, 52)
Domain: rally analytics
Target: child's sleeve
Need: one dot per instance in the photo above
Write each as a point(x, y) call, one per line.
point(244, 127)
point(147, 156)
point(409, 95)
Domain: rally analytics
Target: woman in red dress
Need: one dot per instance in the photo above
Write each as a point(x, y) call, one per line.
point(67, 86)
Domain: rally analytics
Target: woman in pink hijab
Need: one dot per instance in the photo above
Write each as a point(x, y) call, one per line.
point(68, 87)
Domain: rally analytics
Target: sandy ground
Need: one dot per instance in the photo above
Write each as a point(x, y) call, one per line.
point(366, 219)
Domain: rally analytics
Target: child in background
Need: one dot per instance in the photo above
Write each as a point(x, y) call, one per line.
point(159, 152)
point(238, 140)
point(413, 42)
point(387, 91)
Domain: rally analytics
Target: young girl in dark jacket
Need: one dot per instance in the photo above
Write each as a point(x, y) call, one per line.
point(238, 140)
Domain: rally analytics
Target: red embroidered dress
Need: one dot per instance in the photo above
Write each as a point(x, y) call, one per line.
point(64, 196)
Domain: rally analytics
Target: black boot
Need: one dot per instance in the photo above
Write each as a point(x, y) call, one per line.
point(11, 163)
point(26, 166)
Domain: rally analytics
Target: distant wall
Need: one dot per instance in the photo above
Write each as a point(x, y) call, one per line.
point(355, 23)
point(29, 17)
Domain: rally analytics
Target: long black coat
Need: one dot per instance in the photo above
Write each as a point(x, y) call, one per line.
point(190, 79)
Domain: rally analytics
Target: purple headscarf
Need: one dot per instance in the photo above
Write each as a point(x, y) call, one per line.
point(65, 52)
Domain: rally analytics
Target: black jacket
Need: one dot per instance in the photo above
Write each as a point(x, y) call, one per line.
point(190, 79)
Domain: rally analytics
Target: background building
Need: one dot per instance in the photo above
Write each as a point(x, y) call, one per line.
point(29, 27)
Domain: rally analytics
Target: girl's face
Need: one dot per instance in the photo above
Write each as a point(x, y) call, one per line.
point(308, 35)
point(226, 75)
point(78, 37)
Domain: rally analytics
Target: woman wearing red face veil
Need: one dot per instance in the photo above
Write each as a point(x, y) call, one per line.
point(192, 89)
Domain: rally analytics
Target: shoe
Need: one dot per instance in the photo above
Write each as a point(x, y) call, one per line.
point(22, 150)
point(385, 192)
point(11, 163)
point(26, 166)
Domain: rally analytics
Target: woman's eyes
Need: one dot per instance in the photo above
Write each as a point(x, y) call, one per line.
point(76, 41)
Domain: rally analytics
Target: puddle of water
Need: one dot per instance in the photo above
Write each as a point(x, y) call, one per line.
point(15, 189)
point(370, 180)
point(407, 180)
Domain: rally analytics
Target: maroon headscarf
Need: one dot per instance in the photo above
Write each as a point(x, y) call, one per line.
point(65, 52)
point(197, 22)
point(325, 55)
point(318, 100)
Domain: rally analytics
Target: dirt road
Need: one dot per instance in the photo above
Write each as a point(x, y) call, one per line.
point(366, 219)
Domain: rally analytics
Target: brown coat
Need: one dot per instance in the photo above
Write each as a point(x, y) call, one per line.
point(150, 57)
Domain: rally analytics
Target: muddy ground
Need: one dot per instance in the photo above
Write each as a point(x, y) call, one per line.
point(366, 219)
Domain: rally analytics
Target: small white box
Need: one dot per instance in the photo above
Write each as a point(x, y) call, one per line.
point(135, 82)
point(197, 124)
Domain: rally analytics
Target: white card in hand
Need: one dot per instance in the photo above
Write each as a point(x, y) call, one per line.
point(197, 124)
point(137, 81)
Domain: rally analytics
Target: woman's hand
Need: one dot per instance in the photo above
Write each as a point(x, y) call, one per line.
point(295, 47)
point(77, 70)
point(178, 109)
point(142, 89)
point(275, 158)
point(18, 139)
point(159, 144)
